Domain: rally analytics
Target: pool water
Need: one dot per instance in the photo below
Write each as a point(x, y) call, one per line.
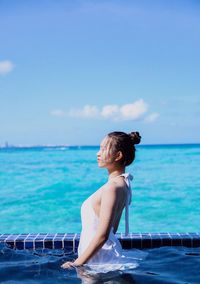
point(161, 265)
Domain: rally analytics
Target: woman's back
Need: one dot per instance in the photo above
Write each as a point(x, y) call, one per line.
point(109, 257)
point(123, 194)
point(90, 218)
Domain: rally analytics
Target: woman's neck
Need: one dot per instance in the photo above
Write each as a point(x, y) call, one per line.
point(115, 173)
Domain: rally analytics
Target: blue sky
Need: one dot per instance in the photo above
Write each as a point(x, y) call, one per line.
point(72, 71)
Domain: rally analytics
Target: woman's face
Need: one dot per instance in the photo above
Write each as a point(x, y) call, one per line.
point(104, 157)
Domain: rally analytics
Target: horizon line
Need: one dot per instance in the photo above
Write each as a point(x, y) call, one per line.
point(7, 146)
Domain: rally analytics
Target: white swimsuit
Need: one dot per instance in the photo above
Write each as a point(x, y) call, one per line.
point(109, 257)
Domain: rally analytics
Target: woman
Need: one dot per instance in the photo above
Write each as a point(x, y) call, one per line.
point(101, 212)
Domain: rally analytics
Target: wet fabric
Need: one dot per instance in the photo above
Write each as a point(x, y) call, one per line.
point(110, 256)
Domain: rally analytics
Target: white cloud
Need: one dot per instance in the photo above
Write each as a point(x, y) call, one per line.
point(6, 66)
point(131, 111)
point(87, 111)
point(151, 117)
point(109, 111)
point(58, 112)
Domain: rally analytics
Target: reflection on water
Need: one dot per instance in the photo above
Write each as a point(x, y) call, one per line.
point(173, 265)
point(109, 272)
point(110, 277)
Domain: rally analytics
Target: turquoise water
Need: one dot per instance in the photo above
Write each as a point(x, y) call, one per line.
point(42, 189)
point(165, 265)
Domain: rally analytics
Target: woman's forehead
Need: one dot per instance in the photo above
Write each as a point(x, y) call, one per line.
point(105, 141)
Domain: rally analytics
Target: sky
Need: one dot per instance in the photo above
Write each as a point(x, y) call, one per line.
point(73, 71)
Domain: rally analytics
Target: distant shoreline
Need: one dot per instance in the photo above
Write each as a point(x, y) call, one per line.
point(63, 147)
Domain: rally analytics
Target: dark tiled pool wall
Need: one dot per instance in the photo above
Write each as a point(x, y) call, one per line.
point(69, 242)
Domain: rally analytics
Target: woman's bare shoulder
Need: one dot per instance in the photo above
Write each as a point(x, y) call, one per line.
point(114, 186)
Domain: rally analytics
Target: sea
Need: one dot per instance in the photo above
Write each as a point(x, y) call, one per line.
point(42, 188)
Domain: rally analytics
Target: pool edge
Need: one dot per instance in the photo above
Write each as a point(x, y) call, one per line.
point(69, 241)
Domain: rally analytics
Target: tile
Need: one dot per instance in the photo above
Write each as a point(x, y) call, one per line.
point(3, 238)
point(158, 242)
point(41, 238)
point(136, 236)
point(19, 245)
point(187, 242)
point(176, 242)
point(126, 243)
point(166, 242)
point(30, 238)
point(146, 241)
point(28, 245)
point(58, 238)
point(184, 235)
point(123, 236)
point(69, 236)
point(10, 244)
point(136, 243)
point(60, 235)
point(196, 242)
point(38, 244)
point(57, 245)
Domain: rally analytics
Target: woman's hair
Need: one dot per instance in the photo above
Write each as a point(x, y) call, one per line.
point(121, 141)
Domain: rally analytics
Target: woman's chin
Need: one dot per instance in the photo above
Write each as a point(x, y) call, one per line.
point(100, 165)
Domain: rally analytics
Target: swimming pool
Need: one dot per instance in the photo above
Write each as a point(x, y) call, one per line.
point(36, 258)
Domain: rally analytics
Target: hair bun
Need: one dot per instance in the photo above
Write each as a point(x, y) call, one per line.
point(135, 137)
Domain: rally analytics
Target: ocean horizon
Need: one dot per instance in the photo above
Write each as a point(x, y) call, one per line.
point(88, 145)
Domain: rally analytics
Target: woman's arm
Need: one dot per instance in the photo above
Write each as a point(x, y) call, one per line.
point(108, 207)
